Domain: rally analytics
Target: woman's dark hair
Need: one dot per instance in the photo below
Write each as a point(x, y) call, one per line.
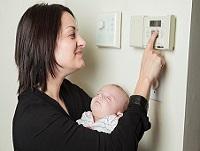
point(35, 44)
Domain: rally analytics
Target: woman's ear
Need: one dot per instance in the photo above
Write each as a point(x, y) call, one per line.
point(119, 114)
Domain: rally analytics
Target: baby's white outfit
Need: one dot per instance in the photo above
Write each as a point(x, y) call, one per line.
point(106, 124)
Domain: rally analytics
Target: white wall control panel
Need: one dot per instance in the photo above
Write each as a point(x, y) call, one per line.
point(143, 26)
point(154, 95)
point(108, 30)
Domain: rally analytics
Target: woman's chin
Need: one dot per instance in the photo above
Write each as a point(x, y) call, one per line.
point(79, 66)
point(82, 64)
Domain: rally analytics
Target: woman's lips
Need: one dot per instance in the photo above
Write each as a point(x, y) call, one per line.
point(79, 52)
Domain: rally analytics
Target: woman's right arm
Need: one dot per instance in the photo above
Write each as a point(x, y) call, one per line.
point(151, 67)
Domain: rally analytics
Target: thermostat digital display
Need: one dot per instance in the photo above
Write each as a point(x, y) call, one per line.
point(155, 23)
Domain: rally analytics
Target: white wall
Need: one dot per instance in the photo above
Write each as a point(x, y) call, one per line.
point(110, 65)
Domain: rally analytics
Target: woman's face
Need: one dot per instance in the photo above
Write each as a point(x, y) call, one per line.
point(69, 49)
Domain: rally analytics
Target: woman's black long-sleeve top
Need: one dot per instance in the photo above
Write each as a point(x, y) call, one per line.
point(40, 123)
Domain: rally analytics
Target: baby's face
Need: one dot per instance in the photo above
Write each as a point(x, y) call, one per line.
point(109, 100)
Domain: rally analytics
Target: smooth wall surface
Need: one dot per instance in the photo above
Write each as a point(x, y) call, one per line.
point(109, 65)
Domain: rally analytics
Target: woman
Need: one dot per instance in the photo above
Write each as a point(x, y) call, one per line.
point(48, 48)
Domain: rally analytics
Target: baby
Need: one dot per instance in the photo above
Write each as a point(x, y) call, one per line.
point(106, 109)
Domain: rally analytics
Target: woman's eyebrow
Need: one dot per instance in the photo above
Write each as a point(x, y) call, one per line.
point(73, 27)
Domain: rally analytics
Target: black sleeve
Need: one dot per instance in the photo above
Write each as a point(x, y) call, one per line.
point(60, 133)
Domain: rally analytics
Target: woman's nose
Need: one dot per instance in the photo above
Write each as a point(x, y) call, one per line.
point(81, 42)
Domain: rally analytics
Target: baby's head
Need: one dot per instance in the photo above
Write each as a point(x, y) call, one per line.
point(110, 99)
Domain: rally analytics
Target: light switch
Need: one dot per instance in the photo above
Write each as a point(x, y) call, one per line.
point(108, 30)
point(154, 95)
point(154, 92)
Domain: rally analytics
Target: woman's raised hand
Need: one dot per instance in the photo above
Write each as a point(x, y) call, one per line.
point(152, 61)
point(151, 67)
